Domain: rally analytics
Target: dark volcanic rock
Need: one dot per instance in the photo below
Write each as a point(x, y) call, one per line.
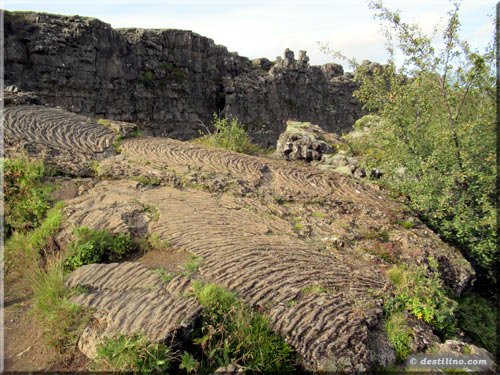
point(168, 80)
point(292, 90)
point(127, 298)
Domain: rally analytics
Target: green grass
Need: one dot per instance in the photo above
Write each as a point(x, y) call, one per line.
point(152, 242)
point(318, 214)
point(192, 265)
point(61, 321)
point(166, 277)
point(133, 353)
point(297, 223)
point(23, 250)
point(230, 135)
point(406, 224)
point(95, 167)
point(422, 294)
point(97, 246)
point(117, 143)
point(148, 180)
point(27, 196)
point(399, 335)
point(30, 249)
point(313, 289)
point(103, 122)
point(233, 333)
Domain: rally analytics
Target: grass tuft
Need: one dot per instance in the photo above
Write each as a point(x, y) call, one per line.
point(230, 135)
point(61, 320)
point(133, 353)
point(23, 250)
point(192, 265)
point(399, 335)
point(233, 333)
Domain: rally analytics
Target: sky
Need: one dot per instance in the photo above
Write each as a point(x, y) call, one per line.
point(265, 28)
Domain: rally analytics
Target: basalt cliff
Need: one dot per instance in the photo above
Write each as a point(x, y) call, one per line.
point(169, 80)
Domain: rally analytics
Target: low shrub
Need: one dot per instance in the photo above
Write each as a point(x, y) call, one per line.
point(477, 318)
point(148, 180)
point(173, 73)
point(133, 353)
point(230, 135)
point(97, 246)
point(27, 198)
point(422, 294)
point(232, 333)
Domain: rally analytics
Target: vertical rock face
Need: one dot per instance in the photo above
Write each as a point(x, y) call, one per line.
point(169, 80)
point(292, 90)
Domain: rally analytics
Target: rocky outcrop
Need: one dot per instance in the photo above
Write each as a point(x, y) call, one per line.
point(323, 305)
point(291, 89)
point(67, 142)
point(459, 350)
point(168, 80)
point(304, 141)
point(126, 299)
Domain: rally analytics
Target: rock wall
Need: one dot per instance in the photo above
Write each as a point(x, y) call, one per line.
point(168, 80)
point(292, 90)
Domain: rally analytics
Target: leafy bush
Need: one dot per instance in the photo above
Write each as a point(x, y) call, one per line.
point(230, 135)
point(133, 353)
point(477, 317)
point(433, 132)
point(61, 321)
point(232, 333)
point(27, 198)
point(421, 293)
point(96, 246)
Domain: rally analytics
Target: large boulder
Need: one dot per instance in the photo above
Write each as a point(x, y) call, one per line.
point(304, 141)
